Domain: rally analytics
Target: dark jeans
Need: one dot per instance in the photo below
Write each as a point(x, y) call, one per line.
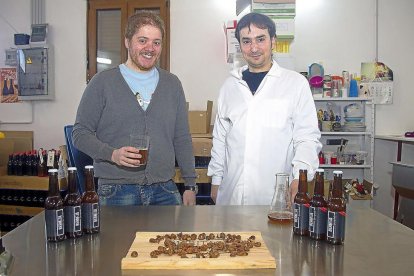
point(165, 193)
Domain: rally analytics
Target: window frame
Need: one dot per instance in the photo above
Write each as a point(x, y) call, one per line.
point(127, 8)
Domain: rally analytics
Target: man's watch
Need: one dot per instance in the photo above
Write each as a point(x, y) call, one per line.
point(192, 188)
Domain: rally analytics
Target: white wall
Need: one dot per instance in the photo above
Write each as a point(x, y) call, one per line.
point(396, 44)
point(198, 47)
point(340, 33)
point(67, 21)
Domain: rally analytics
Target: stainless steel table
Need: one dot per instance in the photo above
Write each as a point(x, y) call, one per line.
point(374, 244)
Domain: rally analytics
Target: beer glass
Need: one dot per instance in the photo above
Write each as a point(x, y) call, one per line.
point(281, 207)
point(140, 142)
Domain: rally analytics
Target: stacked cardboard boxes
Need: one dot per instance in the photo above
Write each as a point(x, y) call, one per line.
point(200, 128)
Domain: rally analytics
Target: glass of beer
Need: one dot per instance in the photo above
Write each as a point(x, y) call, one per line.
point(281, 207)
point(140, 142)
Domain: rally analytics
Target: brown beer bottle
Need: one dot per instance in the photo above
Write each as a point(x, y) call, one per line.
point(301, 206)
point(318, 209)
point(72, 207)
point(336, 212)
point(90, 204)
point(54, 216)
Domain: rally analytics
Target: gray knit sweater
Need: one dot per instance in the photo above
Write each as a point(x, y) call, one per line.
point(109, 113)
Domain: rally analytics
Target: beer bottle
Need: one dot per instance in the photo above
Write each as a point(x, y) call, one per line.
point(10, 165)
point(72, 207)
point(35, 163)
point(42, 166)
point(28, 164)
point(318, 209)
point(301, 206)
point(54, 217)
point(336, 212)
point(90, 204)
point(19, 168)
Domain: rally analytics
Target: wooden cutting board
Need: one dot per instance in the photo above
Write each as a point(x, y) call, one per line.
point(257, 258)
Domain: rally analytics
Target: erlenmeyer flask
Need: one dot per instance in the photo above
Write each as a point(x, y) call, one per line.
point(281, 208)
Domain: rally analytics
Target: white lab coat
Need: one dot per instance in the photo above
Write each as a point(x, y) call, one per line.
point(255, 137)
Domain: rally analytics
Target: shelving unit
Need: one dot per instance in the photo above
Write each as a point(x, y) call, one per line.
point(358, 140)
point(16, 194)
point(202, 144)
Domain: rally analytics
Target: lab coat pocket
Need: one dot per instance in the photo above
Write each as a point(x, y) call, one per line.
point(274, 113)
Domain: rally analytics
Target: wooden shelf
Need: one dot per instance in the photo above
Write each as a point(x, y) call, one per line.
point(19, 210)
point(24, 182)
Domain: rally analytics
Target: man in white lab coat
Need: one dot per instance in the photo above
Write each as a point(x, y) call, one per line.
point(266, 123)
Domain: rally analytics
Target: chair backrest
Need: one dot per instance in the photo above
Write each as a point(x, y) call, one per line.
point(77, 158)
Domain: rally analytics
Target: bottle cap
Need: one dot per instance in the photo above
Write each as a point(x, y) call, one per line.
point(89, 167)
point(52, 171)
point(320, 170)
point(72, 169)
point(337, 172)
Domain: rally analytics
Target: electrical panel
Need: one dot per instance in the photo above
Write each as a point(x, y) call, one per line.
point(34, 73)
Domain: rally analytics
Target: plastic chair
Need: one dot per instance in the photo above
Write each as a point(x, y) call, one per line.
point(77, 158)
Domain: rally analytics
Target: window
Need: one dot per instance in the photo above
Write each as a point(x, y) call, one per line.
point(106, 25)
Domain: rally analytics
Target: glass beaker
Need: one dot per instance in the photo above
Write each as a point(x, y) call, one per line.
point(281, 207)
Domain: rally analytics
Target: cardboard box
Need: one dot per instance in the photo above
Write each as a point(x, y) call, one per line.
point(200, 121)
point(15, 141)
point(202, 146)
point(202, 176)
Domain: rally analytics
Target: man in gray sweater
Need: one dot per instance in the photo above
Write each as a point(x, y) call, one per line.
point(137, 98)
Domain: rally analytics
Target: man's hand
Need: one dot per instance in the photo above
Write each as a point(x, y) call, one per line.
point(213, 194)
point(294, 188)
point(189, 198)
point(126, 156)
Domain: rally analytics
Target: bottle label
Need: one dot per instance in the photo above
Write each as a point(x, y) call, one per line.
point(90, 215)
point(317, 220)
point(73, 219)
point(301, 216)
point(336, 225)
point(54, 223)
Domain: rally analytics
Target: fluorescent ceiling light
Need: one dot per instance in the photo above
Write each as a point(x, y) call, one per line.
point(104, 60)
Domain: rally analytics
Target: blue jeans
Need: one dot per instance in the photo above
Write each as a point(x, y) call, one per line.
point(165, 193)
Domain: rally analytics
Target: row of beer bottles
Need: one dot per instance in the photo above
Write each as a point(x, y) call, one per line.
point(30, 198)
point(33, 163)
point(317, 218)
point(75, 214)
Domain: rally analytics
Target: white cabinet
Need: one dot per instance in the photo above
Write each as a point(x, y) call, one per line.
point(358, 132)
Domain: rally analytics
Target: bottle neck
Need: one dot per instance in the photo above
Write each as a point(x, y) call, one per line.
point(303, 182)
point(53, 185)
point(89, 181)
point(319, 184)
point(72, 182)
point(337, 186)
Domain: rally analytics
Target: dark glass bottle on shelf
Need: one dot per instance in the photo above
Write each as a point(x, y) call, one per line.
point(42, 166)
point(54, 214)
point(336, 212)
point(72, 207)
point(90, 204)
point(19, 169)
point(301, 206)
point(56, 159)
point(10, 165)
point(318, 209)
point(35, 163)
point(28, 163)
